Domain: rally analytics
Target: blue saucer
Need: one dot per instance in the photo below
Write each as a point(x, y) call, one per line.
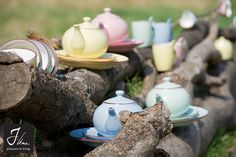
point(79, 134)
point(93, 134)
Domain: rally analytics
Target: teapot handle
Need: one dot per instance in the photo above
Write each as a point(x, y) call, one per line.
point(100, 25)
point(151, 19)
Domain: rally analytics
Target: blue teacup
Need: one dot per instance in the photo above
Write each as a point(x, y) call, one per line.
point(162, 32)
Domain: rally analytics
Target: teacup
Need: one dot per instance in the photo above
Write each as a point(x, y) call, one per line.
point(162, 32)
point(163, 55)
point(142, 30)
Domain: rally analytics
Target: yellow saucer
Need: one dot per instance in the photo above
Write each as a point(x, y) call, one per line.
point(107, 61)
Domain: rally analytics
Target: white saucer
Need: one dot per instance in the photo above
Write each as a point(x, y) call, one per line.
point(93, 134)
point(188, 120)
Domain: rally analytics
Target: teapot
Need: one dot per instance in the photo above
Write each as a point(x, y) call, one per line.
point(85, 40)
point(115, 27)
point(225, 47)
point(106, 116)
point(175, 98)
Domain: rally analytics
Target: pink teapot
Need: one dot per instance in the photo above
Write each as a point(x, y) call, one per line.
point(114, 26)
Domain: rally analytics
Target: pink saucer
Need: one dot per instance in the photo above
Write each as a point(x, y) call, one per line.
point(122, 47)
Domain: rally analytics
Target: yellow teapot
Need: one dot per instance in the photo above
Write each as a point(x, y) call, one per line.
point(225, 47)
point(85, 40)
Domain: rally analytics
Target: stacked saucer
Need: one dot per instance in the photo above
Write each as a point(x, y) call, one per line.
point(34, 52)
point(89, 136)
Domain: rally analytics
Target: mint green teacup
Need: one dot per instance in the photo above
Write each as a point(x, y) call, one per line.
point(142, 30)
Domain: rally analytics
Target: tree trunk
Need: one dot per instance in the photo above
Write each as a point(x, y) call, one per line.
point(51, 104)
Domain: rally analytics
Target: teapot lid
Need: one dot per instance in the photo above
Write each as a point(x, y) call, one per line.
point(167, 84)
point(107, 14)
point(119, 99)
point(87, 23)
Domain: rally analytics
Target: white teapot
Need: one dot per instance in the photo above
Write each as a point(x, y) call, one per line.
point(106, 116)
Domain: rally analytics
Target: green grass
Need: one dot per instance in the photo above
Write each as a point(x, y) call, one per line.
point(53, 18)
point(134, 85)
point(221, 143)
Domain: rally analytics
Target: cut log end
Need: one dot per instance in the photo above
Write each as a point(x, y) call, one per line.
point(14, 82)
point(9, 57)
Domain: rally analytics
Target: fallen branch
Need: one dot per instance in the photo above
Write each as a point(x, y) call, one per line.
point(140, 134)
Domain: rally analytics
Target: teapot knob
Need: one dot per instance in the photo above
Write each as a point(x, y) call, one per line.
point(107, 10)
point(87, 19)
point(120, 92)
point(167, 79)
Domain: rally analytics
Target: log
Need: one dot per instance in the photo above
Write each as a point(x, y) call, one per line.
point(229, 33)
point(28, 91)
point(149, 78)
point(139, 135)
point(196, 34)
point(194, 139)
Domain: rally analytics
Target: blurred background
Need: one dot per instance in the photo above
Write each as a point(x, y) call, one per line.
point(51, 18)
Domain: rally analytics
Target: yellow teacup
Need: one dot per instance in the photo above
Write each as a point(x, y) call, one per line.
point(163, 55)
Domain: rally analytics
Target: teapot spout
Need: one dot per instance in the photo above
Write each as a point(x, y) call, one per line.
point(113, 124)
point(77, 42)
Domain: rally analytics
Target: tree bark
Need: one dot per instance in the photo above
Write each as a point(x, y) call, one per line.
point(51, 104)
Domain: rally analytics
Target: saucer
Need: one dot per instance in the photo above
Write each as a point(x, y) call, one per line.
point(79, 134)
point(122, 47)
point(93, 134)
point(190, 113)
point(188, 119)
point(107, 61)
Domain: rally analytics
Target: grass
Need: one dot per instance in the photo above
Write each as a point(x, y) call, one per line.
point(134, 85)
point(52, 18)
point(221, 144)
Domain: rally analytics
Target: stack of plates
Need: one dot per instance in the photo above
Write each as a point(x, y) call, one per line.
point(33, 52)
point(89, 136)
point(193, 113)
point(107, 61)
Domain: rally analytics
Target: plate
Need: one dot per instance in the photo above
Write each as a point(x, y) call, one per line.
point(188, 120)
point(28, 56)
point(107, 61)
point(53, 56)
point(190, 113)
point(23, 44)
point(46, 61)
point(122, 47)
point(93, 134)
point(79, 134)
